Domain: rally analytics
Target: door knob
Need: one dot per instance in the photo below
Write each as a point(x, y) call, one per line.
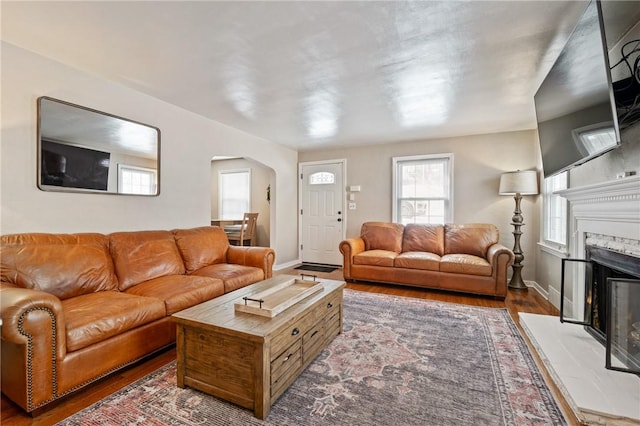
point(339, 219)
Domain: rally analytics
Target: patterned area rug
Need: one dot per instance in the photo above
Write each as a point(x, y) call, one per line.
point(399, 361)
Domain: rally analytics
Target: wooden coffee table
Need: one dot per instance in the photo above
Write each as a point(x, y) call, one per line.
point(249, 359)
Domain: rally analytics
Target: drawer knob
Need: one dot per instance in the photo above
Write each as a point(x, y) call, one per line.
point(329, 305)
point(286, 358)
point(295, 331)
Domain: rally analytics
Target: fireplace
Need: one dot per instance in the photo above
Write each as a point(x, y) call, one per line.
point(605, 215)
point(612, 303)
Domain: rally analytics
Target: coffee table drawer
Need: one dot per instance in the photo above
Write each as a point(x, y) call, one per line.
point(285, 369)
point(288, 358)
point(332, 306)
point(312, 342)
point(332, 326)
point(292, 332)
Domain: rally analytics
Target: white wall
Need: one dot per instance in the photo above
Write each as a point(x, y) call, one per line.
point(189, 141)
point(478, 163)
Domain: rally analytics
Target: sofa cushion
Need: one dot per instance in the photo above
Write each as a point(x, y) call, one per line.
point(202, 246)
point(465, 264)
point(65, 265)
point(423, 237)
point(382, 236)
point(233, 276)
point(418, 260)
point(144, 255)
point(473, 238)
point(375, 258)
point(92, 318)
point(179, 291)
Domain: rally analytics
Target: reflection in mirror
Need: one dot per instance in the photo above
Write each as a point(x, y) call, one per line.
point(81, 149)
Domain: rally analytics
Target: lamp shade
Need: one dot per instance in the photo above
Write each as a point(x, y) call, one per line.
point(523, 182)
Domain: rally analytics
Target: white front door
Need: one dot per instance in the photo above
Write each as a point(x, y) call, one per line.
point(322, 212)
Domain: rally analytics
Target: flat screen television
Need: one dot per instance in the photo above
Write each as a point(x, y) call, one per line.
point(575, 107)
point(72, 166)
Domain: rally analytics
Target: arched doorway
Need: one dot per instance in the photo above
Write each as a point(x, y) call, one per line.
point(262, 179)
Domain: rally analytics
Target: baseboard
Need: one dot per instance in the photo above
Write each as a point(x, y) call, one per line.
point(281, 266)
point(553, 296)
point(534, 285)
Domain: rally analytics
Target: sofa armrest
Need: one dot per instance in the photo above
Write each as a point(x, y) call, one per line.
point(258, 257)
point(497, 254)
point(350, 248)
point(33, 341)
point(500, 258)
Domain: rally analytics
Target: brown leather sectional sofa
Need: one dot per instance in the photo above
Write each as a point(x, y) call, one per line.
point(76, 307)
point(465, 258)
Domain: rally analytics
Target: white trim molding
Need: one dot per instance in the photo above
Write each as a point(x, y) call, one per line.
point(286, 265)
point(555, 251)
point(609, 208)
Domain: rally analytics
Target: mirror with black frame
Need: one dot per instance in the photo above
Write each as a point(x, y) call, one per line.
point(84, 150)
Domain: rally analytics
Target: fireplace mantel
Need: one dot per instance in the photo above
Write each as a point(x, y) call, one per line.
point(620, 190)
point(613, 201)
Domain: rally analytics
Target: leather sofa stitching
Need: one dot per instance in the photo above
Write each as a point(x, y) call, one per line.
point(22, 331)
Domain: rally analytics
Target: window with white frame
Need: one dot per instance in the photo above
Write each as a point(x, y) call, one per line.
point(423, 189)
point(234, 193)
point(555, 210)
point(137, 180)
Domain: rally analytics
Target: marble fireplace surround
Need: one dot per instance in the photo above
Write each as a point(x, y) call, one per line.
point(607, 215)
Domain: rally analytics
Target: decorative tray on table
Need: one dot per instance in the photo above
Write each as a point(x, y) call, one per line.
point(271, 302)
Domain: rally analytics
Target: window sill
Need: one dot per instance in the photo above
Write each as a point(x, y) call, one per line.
point(554, 251)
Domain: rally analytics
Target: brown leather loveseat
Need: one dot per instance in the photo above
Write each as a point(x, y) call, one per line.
point(465, 258)
point(76, 307)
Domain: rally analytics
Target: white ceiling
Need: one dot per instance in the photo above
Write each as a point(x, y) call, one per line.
point(313, 75)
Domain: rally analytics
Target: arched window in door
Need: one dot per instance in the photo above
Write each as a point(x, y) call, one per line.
point(321, 178)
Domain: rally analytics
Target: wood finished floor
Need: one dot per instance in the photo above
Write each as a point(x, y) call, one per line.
point(531, 301)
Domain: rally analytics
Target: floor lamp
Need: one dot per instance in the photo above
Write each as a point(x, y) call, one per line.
point(518, 183)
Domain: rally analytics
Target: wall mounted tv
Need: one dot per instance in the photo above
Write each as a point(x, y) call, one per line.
point(575, 108)
point(72, 166)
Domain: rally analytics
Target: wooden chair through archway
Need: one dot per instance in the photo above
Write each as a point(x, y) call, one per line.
point(240, 235)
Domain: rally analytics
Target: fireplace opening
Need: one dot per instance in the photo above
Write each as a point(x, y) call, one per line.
point(611, 309)
point(606, 264)
point(614, 306)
